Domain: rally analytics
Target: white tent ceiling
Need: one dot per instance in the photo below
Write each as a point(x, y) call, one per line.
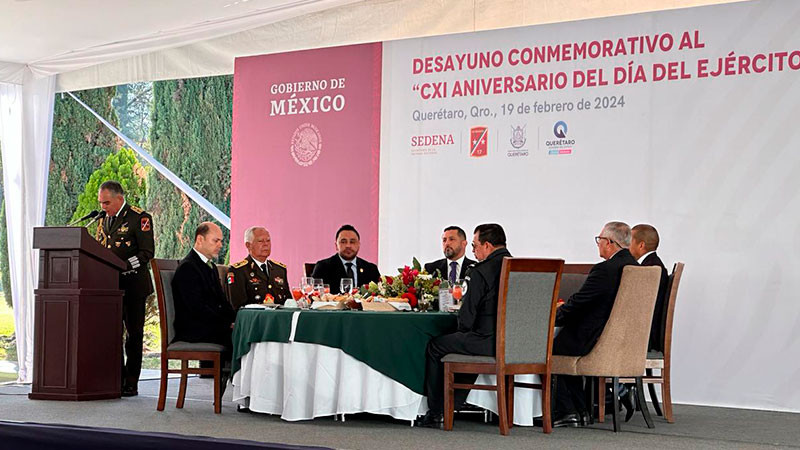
point(99, 42)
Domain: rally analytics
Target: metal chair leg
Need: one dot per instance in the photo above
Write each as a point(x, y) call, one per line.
point(653, 397)
point(615, 414)
point(642, 403)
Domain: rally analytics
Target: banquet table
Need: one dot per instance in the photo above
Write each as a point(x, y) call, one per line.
point(306, 364)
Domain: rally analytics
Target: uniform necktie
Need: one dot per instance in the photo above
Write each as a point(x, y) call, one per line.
point(264, 269)
point(210, 264)
point(109, 223)
point(349, 271)
point(453, 268)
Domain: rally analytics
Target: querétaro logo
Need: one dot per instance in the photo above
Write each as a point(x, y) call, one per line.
point(518, 138)
point(560, 129)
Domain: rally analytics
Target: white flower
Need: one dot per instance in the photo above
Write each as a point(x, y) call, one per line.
point(425, 276)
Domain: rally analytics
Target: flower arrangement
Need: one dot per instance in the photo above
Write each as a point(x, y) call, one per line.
point(412, 283)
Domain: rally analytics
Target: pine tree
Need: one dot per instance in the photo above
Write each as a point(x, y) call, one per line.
point(80, 145)
point(190, 135)
point(121, 166)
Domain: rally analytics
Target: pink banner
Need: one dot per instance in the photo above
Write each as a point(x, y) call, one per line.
point(306, 138)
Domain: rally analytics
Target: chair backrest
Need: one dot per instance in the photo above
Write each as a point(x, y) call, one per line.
point(163, 272)
point(526, 310)
point(222, 273)
point(674, 282)
point(621, 350)
point(308, 268)
point(572, 279)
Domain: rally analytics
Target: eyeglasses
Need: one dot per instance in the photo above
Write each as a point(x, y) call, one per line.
point(597, 240)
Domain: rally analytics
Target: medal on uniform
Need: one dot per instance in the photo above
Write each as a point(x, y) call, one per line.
point(230, 277)
point(279, 280)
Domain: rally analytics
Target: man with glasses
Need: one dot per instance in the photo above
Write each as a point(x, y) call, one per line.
point(477, 321)
point(584, 315)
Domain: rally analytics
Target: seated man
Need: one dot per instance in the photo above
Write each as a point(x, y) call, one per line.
point(202, 312)
point(584, 315)
point(346, 263)
point(256, 278)
point(644, 242)
point(454, 265)
point(477, 321)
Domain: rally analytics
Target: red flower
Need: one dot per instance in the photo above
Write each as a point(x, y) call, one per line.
point(437, 282)
point(412, 290)
point(412, 299)
point(389, 280)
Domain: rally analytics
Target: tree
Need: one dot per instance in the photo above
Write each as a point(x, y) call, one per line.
point(5, 276)
point(121, 166)
point(190, 135)
point(133, 104)
point(80, 145)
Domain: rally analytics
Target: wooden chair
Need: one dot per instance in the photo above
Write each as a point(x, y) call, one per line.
point(659, 360)
point(222, 271)
point(526, 308)
point(308, 268)
point(621, 350)
point(163, 272)
point(572, 279)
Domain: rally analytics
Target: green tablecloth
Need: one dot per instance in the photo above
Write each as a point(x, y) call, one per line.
point(256, 325)
point(392, 343)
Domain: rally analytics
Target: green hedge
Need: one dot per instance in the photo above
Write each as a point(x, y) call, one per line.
point(190, 135)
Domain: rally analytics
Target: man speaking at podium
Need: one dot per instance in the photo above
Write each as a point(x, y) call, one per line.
point(127, 231)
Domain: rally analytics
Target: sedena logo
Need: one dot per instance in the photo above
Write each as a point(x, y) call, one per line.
point(478, 137)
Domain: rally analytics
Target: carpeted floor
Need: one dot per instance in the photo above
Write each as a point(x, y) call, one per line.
point(695, 427)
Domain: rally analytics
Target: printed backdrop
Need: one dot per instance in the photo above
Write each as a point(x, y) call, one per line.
point(684, 119)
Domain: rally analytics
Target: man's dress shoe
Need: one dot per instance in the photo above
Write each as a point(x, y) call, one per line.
point(430, 420)
point(627, 401)
point(129, 391)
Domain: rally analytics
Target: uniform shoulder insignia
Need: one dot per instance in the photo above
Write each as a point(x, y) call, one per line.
point(241, 263)
point(136, 209)
point(278, 263)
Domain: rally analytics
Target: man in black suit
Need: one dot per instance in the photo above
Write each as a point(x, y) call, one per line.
point(584, 315)
point(202, 312)
point(346, 263)
point(454, 265)
point(477, 321)
point(644, 242)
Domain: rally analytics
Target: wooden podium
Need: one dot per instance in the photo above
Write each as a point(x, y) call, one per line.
point(78, 317)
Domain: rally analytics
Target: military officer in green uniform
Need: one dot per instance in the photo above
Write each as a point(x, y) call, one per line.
point(127, 231)
point(256, 278)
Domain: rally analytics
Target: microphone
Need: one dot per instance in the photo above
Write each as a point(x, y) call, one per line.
point(88, 216)
point(97, 217)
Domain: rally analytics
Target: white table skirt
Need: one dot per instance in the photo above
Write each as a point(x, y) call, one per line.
point(300, 381)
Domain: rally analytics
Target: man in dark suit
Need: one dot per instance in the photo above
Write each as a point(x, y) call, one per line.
point(202, 312)
point(127, 231)
point(584, 315)
point(454, 265)
point(644, 242)
point(477, 321)
point(257, 279)
point(346, 263)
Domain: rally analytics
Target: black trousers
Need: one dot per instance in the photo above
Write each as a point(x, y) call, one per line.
point(133, 318)
point(570, 395)
point(438, 347)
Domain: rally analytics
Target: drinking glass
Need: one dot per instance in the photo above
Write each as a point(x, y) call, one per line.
point(346, 286)
point(327, 288)
point(297, 293)
point(460, 289)
point(307, 284)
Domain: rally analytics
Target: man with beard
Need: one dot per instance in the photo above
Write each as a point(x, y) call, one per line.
point(454, 265)
point(346, 263)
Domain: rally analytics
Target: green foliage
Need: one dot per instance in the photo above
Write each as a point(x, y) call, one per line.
point(191, 135)
point(121, 166)
point(5, 277)
point(80, 145)
point(133, 104)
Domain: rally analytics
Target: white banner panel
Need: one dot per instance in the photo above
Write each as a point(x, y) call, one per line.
point(683, 119)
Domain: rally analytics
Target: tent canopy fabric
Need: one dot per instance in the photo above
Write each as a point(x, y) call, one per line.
point(93, 43)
